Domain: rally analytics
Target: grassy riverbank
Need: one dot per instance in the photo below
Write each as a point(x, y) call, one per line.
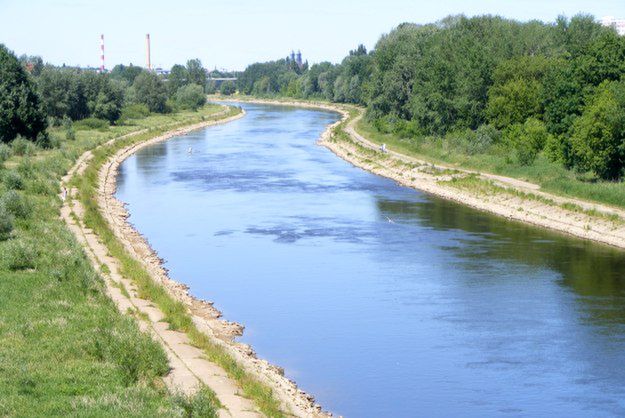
point(551, 176)
point(64, 348)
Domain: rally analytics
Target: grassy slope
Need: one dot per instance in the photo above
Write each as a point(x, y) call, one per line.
point(64, 348)
point(552, 177)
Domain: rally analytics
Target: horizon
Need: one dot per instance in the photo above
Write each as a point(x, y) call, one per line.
point(221, 35)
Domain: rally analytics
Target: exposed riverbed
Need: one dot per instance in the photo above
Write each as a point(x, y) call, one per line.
point(377, 299)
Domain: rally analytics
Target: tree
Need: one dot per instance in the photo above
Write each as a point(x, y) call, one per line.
point(527, 139)
point(128, 73)
point(191, 97)
point(108, 103)
point(150, 91)
point(178, 77)
point(598, 138)
point(196, 73)
point(227, 88)
point(20, 107)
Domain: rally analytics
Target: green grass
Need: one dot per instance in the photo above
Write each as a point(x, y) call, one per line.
point(175, 312)
point(551, 176)
point(65, 350)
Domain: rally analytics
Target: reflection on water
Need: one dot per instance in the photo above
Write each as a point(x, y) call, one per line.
point(379, 300)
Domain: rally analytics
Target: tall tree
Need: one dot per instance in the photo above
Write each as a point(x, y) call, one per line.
point(20, 108)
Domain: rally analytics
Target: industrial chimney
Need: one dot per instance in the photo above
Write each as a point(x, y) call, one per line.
point(147, 51)
point(102, 53)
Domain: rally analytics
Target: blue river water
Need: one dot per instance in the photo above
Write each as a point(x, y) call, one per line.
point(379, 300)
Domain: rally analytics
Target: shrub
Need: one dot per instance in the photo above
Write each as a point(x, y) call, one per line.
point(527, 140)
point(135, 111)
point(5, 153)
point(13, 180)
point(227, 88)
point(19, 255)
point(15, 204)
point(485, 137)
point(597, 138)
point(70, 135)
point(191, 97)
point(22, 146)
point(92, 123)
point(6, 224)
point(201, 404)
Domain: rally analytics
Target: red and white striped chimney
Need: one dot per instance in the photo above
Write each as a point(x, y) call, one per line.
point(101, 53)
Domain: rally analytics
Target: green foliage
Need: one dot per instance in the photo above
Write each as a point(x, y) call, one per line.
point(70, 135)
point(598, 138)
point(227, 88)
point(92, 123)
point(178, 77)
point(135, 111)
point(12, 180)
point(201, 404)
point(191, 97)
point(22, 147)
point(5, 152)
point(150, 90)
point(527, 139)
point(16, 204)
point(127, 73)
point(6, 223)
point(20, 108)
point(19, 254)
point(196, 73)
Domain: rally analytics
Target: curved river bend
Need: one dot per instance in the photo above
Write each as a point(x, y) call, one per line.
point(379, 300)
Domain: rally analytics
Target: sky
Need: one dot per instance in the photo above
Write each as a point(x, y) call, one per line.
point(232, 34)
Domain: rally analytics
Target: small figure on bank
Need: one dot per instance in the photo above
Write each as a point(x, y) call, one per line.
point(383, 148)
point(63, 194)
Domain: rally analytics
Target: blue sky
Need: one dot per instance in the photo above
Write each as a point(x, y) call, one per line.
point(232, 34)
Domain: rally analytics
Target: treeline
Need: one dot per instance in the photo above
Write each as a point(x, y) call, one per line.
point(34, 95)
point(491, 83)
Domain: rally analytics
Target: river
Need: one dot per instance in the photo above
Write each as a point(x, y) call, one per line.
point(379, 300)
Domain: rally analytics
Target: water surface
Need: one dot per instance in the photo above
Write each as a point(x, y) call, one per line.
point(380, 300)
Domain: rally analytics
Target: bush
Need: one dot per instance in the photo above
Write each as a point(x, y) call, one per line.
point(19, 255)
point(70, 135)
point(485, 137)
point(5, 152)
point(227, 88)
point(191, 97)
point(527, 140)
point(597, 138)
point(135, 111)
point(6, 224)
point(15, 204)
point(22, 146)
point(92, 123)
point(13, 180)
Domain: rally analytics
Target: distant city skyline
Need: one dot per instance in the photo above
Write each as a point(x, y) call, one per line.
point(232, 36)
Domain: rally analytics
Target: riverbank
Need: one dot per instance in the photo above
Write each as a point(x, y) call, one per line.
point(500, 195)
point(230, 367)
point(65, 349)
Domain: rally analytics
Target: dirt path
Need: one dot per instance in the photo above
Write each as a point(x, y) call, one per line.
point(515, 199)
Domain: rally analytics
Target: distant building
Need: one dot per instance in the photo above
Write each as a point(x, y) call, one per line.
point(618, 24)
point(296, 58)
point(161, 71)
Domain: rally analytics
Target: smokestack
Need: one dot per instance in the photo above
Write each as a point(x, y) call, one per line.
point(147, 50)
point(101, 53)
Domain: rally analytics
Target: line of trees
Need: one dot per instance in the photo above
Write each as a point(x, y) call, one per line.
point(556, 88)
point(34, 95)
